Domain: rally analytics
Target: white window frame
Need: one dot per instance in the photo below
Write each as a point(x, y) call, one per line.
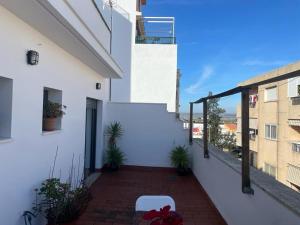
point(268, 135)
point(266, 96)
point(296, 147)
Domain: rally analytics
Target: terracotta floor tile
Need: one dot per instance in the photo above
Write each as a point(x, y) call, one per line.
point(114, 196)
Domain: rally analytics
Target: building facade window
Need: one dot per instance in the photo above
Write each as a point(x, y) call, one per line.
point(270, 170)
point(271, 132)
point(271, 94)
point(253, 159)
point(296, 147)
point(6, 88)
point(52, 106)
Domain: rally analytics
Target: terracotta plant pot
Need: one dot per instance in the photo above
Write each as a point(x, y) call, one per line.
point(49, 124)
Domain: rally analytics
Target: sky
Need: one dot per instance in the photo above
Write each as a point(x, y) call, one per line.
point(224, 42)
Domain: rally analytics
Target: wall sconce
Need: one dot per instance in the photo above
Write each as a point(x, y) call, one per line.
point(98, 86)
point(32, 57)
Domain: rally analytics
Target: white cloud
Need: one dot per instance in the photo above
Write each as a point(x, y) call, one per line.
point(257, 62)
point(207, 72)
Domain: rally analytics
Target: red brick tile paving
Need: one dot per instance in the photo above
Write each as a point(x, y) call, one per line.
point(115, 193)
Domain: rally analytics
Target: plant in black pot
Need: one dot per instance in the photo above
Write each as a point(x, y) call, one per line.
point(52, 111)
point(180, 160)
point(61, 203)
point(114, 156)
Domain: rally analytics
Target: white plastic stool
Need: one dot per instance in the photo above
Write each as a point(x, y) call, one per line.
point(148, 202)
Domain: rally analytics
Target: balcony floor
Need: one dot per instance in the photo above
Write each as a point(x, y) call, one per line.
point(114, 196)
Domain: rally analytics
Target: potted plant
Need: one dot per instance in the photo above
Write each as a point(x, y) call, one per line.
point(52, 111)
point(180, 160)
point(61, 203)
point(114, 156)
point(163, 216)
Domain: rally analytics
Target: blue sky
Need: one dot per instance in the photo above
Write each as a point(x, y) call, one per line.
point(223, 42)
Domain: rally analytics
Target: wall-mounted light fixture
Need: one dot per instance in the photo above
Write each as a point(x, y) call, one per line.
point(32, 57)
point(98, 86)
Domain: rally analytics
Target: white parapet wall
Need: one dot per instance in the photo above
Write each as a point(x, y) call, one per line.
point(272, 202)
point(150, 132)
point(154, 74)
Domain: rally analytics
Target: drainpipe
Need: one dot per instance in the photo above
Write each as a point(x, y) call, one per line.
point(277, 131)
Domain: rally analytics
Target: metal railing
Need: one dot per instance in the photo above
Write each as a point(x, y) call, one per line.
point(155, 40)
point(155, 30)
point(245, 129)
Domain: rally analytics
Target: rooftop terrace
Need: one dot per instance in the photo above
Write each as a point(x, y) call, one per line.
point(114, 196)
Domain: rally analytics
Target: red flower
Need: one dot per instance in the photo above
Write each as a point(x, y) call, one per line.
point(163, 217)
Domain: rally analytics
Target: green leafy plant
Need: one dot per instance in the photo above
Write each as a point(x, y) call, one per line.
point(180, 159)
point(53, 110)
point(228, 141)
point(114, 131)
point(60, 203)
point(214, 120)
point(114, 156)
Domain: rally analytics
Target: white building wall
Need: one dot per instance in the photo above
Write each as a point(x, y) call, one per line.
point(85, 18)
point(27, 157)
point(154, 74)
point(223, 185)
point(150, 132)
point(123, 39)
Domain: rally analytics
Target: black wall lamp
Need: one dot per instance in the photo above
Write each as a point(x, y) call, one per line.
point(98, 86)
point(32, 57)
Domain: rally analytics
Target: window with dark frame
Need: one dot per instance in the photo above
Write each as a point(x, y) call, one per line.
point(6, 92)
point(52, 102)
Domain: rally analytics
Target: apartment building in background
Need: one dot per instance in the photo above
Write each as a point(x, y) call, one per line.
point(275, 126)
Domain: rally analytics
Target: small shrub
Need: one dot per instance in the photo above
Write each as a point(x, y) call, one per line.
point(114, 158)
point(60, 203)
point(114, 131)
point(53, 110)
point(180, 159)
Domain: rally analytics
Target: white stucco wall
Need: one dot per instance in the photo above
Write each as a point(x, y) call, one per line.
point(27, 157)
point(123, 33)
point(223, 185)
point(85, 18)
point(150, 132)
point(154, 74)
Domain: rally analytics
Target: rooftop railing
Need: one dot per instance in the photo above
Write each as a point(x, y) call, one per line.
point(155, 30)
point(155, 40)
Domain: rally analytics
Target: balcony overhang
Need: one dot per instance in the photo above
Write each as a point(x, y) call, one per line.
point(294, 122)
point(45, 18)
point(293, 175)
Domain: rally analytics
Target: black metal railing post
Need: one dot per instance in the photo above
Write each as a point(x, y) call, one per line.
point(191, 124)
point(246, 183)
point(205, 130)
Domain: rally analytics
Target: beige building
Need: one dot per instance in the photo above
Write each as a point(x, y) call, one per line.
point(275, 126)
